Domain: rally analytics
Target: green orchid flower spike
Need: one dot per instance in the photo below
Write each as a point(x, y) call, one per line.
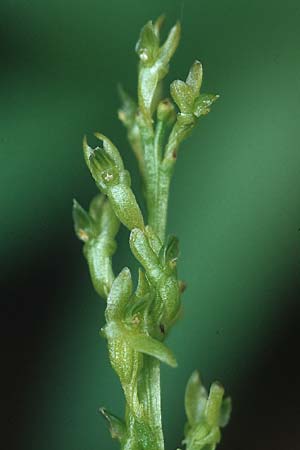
point(139, 318)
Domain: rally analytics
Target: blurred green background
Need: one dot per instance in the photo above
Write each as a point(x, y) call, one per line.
point(234, 204)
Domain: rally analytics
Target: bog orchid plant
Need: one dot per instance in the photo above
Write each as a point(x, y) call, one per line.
point(139, 319)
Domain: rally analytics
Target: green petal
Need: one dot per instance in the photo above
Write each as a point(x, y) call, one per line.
point(213, 405)
point(183, 96)
point(203, 104)
point(195, 399)
point(225, 412)
point(171, 43)
point(194, 78)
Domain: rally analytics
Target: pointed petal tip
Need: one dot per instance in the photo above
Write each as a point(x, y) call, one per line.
point(98, 135)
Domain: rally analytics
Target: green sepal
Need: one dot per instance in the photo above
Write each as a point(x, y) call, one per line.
point(119, 296)
point(170, 45)
point(116, 425)
point(225, 412)
point(87, 151)
point(213, 404)
point(158, 24)
point(111, 150)
point(195, 399)
point(148, 44)
point(183, 95)
point(83, 224)
point(194, 78)
point(203, 104)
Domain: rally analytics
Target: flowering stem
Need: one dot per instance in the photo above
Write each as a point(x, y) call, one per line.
point(139, 319)
point(146, 432)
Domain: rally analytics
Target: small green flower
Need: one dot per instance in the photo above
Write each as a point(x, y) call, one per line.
point(187, 94)
point(97, 229)
point(205, 414)
point(107, 169)
point(154, 61)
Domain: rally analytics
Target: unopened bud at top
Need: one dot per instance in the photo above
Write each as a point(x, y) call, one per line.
point(166, 112)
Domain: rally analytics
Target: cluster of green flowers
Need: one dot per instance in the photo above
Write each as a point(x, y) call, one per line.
point(138, 320)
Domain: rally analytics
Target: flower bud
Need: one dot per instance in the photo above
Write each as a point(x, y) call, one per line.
point(166, 112)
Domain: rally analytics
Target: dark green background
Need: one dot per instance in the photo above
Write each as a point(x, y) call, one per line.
point(234, 204)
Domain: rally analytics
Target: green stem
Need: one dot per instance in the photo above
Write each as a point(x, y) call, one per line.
point(162, 193)
point(158, 180)
point(145, 431)
point(163, 199)
point(151, 167)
